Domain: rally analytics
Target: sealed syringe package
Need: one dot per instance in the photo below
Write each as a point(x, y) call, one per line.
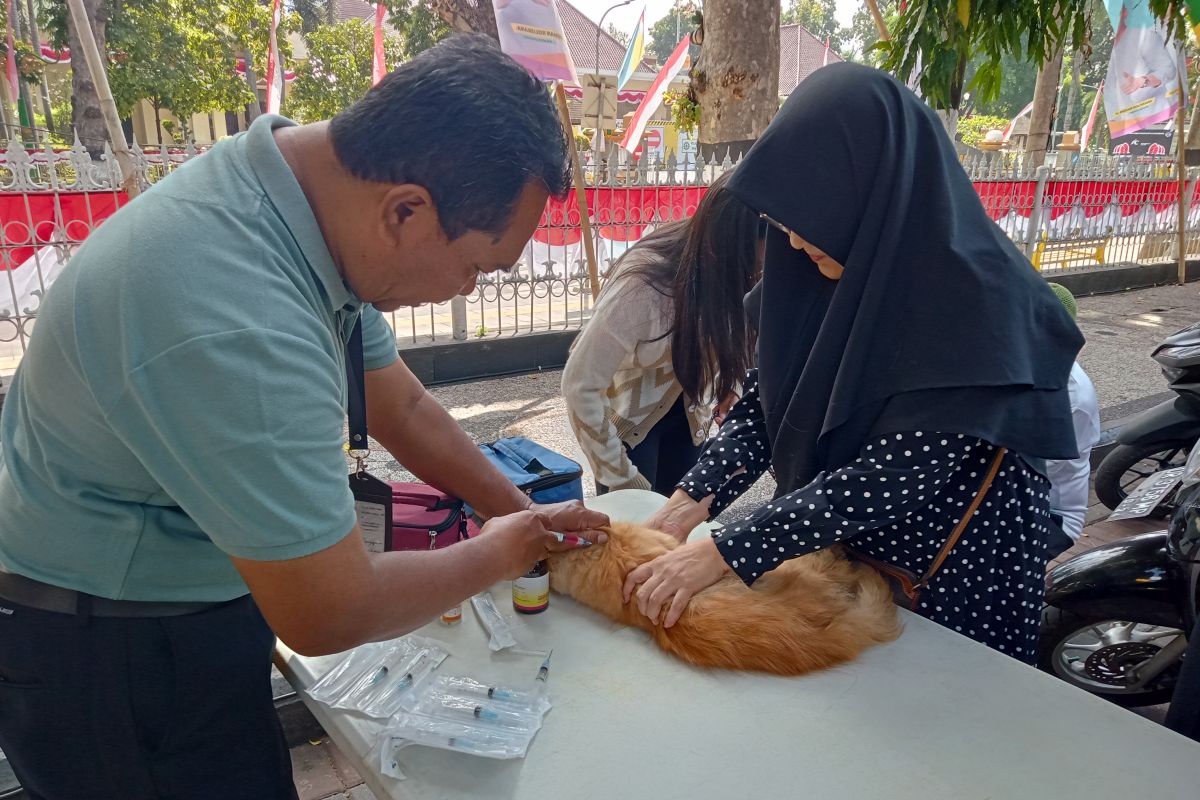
point(380, 678)
point(465, 716)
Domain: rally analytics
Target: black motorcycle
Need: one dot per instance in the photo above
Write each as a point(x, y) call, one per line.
point(1116, 618)
point(1160, 437)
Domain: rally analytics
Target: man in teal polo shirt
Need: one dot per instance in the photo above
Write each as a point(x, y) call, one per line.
point(173, 438)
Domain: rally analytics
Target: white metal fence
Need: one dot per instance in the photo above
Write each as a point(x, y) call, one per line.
point(1077, 213)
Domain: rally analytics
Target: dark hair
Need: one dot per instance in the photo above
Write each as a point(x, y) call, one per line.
point(706, 264)
point(463, 120)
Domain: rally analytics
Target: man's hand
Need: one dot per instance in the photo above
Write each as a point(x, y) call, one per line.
point(573, 517)
point(518, 541)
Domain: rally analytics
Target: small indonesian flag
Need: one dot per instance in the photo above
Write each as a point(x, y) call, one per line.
point(274, 68)
point(378, 65)
point(1086, 134)
point(654, 95)
point(1013, 122)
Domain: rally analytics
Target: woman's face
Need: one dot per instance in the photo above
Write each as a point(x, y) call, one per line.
point(825, 265)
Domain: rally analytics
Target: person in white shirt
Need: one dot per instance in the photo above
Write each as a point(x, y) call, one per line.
point(666, 348)
point(1069, 478)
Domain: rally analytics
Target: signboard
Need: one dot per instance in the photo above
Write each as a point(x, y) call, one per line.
point(1154, 141)
point(652, 144)
point(532, 33)
point(1142, 85)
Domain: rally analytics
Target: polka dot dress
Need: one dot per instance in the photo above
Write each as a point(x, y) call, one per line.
point(898, 502)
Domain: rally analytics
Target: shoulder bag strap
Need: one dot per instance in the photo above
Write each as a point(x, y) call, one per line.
point(966, 519)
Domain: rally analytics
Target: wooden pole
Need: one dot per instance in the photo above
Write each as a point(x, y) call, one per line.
point(880, 25)
point(1181, 141)
point(112, 120)
point(589, 247)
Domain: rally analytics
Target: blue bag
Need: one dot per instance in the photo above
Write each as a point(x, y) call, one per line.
point(541, 473)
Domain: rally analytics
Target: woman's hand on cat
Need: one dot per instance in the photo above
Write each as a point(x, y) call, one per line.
point(680, 515)
point(669, 581)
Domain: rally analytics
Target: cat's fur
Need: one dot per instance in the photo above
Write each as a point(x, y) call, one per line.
point(809, 613)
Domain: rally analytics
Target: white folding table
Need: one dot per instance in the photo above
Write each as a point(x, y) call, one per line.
point(931, 715)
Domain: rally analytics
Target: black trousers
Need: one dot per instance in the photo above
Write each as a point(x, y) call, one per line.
point(1183, 716)
point(666, 453)
point(133, 709)
point(1058, 542)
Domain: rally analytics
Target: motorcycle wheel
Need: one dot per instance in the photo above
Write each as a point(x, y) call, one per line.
point(1092, 653)
point(1129, 464)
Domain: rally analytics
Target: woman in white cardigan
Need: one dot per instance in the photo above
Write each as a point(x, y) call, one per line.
point(666, 347)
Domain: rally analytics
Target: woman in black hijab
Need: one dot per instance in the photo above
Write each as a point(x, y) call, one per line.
point(906, 352)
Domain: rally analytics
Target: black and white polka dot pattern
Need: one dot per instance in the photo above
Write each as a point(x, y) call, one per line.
point(898, 502)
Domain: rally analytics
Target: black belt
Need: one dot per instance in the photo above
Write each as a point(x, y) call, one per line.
point(45, 597)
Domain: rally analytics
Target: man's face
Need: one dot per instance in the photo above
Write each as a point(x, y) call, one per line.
point(412, 261)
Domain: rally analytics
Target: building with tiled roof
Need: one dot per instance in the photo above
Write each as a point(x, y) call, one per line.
point(353, 9)
point(800, 55)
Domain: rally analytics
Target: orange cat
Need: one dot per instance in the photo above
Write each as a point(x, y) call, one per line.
point(808, 614)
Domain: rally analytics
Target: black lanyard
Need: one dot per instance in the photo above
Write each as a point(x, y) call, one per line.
point(372, 497)
point(356, 391)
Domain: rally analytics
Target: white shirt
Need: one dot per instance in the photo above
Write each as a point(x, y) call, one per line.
point(1069, 478)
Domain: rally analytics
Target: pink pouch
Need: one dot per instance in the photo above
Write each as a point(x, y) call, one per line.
point(424, 518)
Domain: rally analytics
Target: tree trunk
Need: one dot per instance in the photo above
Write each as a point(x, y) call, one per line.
point(86, 116)
point(30, 130)
point(1193, 132)
point(736, 77)
point(1045, 93)
point(35, 38)
point(468, 16)
point(1073, 115)
point(253, 109)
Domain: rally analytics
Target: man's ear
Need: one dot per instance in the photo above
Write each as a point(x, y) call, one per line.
point(407, 214)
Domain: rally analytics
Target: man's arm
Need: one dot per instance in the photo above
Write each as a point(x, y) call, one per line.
point(405, 419)
point(343, 596)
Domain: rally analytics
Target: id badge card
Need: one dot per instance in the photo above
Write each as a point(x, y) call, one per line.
point(373, 507)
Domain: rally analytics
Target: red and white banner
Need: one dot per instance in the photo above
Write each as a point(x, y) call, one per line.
point(825, 60)
point(1013, 122)
point(274, 68)
point(10, 61)
point(654, 95)
point(1086, 133)
point(378, 66)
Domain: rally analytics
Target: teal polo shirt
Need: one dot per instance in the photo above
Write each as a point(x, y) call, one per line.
point(182, 397)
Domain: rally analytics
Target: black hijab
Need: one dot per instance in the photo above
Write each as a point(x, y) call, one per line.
point(938, 323)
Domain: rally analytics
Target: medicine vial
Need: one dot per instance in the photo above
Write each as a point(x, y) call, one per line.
point(531, 592)
point(452, 616)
